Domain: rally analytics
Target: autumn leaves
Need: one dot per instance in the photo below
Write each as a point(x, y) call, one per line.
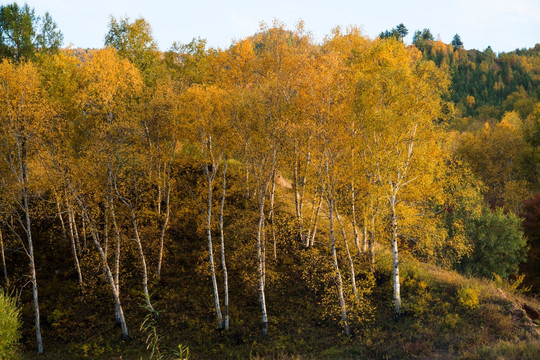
point(352, 121)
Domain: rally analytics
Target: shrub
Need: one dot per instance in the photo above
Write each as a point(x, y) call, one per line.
point(499, 245)
point(467, 297)
point(10, 324)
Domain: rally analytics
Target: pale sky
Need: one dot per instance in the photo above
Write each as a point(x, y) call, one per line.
point(503, 24)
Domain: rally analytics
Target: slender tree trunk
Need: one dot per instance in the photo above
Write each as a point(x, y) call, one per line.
point(4, 267)
point(261, 256)
point(208, 151)
point(223, 262)
point(166, 220)
point(142, 257)
point(75, 230)
point(117, 254)
point(85, 247)
point(143, 260)
point(372, 244)
point(73, 245)
point(303, 185)
point(247, 182)
point(339, 281)
point(272, 193)
point(395, 259)
point(33, 274)
point(160, 190)
point(349, 257)
point(106, 229)
point(315, 221)
point(355, 227)
point(211, 251)
point(119, 312)
point(22, 159)
point(297, 199)
point(365, 234)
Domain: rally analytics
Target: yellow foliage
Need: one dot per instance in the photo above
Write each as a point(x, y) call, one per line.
point(467, 297)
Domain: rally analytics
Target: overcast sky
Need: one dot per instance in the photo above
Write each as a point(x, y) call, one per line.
point(503, 24)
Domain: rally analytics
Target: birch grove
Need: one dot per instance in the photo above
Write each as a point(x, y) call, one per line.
point(340, 132)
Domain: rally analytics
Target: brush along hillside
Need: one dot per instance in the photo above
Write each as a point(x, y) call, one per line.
point(279, 198)
point(444, 314)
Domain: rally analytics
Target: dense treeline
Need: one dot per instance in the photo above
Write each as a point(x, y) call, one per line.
point(113, 157)
point(484, 82)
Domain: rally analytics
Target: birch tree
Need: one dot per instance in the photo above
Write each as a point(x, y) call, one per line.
point(398, 108)
point(23, 112)
point(207, 111)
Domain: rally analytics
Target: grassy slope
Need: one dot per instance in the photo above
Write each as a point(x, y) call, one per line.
point(445, 314)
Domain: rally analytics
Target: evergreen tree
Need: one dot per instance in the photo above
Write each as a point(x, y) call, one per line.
point(456, 42)
point(22, 33)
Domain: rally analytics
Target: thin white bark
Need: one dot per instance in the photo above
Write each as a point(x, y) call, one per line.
point(349, 257)
point(272, 226)
point(339, 280)
point(313, 231)
point(208, 151)
point(167, 216)
point(355, 227)
point(117, 254)
point(4, 267)
point(372, 244)
point(143, 260)
point(75, 231)
point(395, 259)
point(223, 262)
point(365, 234)
point(106, 229)
point(261, 256)
point(142, 257)
point(119, 312)
point(72, 240)
point(84, 245)
point(297, 200)
point(23, 171)
point(299, 194)
point(211, 255)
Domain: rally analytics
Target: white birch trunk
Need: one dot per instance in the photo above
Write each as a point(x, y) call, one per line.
point(143, 260)
point(4, 267)
point(211, 254)
point(75, 230)
point(23, 179)
point(351, 262)
point(119, 312)
point(339, 281)
point(73, 244)
point(315, 221)
point(272, 193)
point(297, 200)
point(223, 262)
point(84, 244)
point(365, 235)
point(261, 257)
point(206, 141)
point(117, 254)
point(372, 245)
point(166, 220)
point(395, 259)
point(355, 227)
point(142, 257)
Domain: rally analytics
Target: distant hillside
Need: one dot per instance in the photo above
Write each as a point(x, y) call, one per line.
point(483, 81)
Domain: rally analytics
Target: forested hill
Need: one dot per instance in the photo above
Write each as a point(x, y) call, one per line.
point(484, 82)
point(280, 198)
